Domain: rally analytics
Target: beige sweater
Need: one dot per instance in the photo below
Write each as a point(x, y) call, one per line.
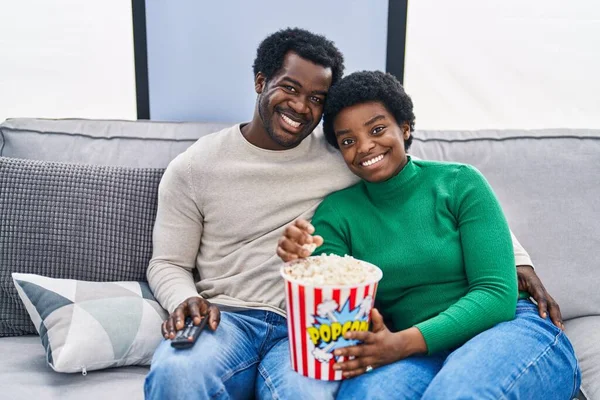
point(222, 206)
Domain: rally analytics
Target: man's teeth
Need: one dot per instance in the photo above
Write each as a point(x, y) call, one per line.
point(290, 121)
point(372, 161)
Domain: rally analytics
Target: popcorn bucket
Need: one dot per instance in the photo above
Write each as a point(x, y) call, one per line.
point(318, 316)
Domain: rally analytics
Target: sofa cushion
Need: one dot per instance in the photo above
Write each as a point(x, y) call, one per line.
point(71, 221)
point(584, 334)
point(547, 182)
point(24, 374)
point(85, 326)
point(145, 144)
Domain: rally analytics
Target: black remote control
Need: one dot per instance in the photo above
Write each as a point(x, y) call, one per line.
point(186, 337)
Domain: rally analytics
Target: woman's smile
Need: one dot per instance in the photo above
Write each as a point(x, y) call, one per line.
point(372, 161)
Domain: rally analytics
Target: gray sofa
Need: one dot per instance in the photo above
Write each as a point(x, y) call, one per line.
point(548, 182)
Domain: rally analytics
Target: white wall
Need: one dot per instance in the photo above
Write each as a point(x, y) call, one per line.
point(474, 64)
point(67, 58)
point(200, 53)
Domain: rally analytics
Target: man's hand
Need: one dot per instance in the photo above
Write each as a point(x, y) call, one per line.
point(297, 241)
point(196, 308)
point(530, 282)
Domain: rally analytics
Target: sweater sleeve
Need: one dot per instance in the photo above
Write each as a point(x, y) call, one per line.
point(521, 255)
point(328, 225)
point(176, 237)
point(489, 266)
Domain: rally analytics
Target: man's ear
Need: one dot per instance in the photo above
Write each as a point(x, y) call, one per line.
point(260, 82)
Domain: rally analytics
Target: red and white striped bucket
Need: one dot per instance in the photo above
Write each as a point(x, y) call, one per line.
point(317, 318)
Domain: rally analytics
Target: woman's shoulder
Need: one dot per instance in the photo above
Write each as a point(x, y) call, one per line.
point(436, 164)
point(449, 173)
point(347, 196)
point(444, 167)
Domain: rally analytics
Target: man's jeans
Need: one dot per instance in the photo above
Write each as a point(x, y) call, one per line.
point(526, 358)
point(246, 357)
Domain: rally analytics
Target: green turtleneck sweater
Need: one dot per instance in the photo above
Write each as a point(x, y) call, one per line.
point(439, 235)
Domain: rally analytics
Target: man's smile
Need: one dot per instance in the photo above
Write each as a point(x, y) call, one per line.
point(290, 121)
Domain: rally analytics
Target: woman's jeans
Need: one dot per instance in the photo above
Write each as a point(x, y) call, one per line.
point(526, 358)
point(248, 356)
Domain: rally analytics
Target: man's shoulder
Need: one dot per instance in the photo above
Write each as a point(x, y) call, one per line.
point(213, 141)
point(328, 157)
point(319, 143)
point(202, 150)
point(209, 146)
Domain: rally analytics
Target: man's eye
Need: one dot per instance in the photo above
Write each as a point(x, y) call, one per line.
point(316, 100)
point(290, 88)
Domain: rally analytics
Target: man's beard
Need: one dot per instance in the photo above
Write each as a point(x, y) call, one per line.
point(263, 109)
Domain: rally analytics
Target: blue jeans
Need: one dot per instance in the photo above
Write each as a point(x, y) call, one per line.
point(246, 357)
point(526, 358)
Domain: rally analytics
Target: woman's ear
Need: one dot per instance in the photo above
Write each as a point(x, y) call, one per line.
point(405, 130)
point(260, 81)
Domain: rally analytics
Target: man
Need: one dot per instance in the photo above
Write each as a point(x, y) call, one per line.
point(222, 207)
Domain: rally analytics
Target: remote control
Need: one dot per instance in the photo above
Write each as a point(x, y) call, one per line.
point(186, 337)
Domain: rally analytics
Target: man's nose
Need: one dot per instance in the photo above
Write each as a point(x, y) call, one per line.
point(299, 105)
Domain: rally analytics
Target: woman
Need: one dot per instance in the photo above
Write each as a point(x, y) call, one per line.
point(449, 294)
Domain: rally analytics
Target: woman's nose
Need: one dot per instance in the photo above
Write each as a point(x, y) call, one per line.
point(365, 146)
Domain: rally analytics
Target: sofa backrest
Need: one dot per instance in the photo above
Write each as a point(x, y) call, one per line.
point(145, 144)
point(548, 182)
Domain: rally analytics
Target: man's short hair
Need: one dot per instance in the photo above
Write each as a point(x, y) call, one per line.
point(364, 87)
point(316, 48)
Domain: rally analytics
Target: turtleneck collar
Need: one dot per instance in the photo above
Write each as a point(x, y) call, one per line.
point(393, 187)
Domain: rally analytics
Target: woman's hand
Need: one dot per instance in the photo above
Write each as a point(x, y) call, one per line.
point(297, 241)
point(380, 347)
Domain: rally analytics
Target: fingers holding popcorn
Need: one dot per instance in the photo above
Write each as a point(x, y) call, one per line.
point(289, 249)
point(303, 225)
point(301, 231)
point(297, 241)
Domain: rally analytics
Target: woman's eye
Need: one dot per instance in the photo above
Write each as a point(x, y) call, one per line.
point(346, 142)
point(377, 130)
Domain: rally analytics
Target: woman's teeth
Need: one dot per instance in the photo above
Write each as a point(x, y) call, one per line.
point(290, 121)
point(372, 161)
